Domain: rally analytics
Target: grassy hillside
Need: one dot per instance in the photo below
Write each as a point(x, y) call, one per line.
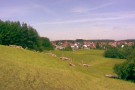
point(27, 70)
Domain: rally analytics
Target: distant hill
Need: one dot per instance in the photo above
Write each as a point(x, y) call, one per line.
point(129, 40)
point(95, 40)
point(101, 40)
point(82, 40)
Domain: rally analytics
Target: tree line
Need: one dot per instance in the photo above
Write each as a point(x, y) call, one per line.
point(15, 33)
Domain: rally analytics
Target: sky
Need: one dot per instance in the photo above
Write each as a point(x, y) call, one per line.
point(74, 19)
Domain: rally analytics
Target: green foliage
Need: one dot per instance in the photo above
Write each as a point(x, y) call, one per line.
point(131, 57)
point(98, 46)
point(80, 40)
point(122, 53)
point(68, 48)
point(126, 70)
point(112, 53)
point(45, 44)
point(14, 33)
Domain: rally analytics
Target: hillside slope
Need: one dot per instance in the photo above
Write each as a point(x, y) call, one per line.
point(26, 70)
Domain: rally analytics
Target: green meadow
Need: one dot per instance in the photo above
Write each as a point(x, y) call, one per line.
point(22, 69)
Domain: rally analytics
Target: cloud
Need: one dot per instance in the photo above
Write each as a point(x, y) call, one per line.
point(101, 6)
point(79, 10)
point(100, 19)
point(84, 9)
point(43, 8)
point(13, 12)
point(20, 10)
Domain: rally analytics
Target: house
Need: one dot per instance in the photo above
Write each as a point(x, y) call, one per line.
point(65, 44)
point(57, 47)
point(85, 47)
point(113, 44)
point(74, 46)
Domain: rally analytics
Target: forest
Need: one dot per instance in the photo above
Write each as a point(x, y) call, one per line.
point(21, 34)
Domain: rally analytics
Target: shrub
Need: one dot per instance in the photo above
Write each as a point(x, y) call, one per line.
point(122, 53)
point(131, 57)
point(68, 48)
point(126, 70)
point(112, 53)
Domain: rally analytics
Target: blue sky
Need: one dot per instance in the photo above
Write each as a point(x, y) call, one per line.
point(72, 19)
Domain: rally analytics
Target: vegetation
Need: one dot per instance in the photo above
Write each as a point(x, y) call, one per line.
point(22, 69)
point(82, 40)
point(68, 48)
point(122, 53)
point(129, 40)
point(45, 44)
point(98, 46)
point(114, 53)
point(125, 70)
point(15, 33)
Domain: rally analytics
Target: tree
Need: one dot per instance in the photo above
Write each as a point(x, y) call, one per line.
point(14, 33)
point(45, 44)
point(126, 70)
point(98, 46)
point(112, 53)
point(68, 48)
point(122, 53)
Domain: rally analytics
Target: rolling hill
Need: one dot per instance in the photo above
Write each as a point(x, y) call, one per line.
point(22, 69)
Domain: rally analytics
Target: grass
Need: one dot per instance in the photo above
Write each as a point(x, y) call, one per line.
point(27, 70)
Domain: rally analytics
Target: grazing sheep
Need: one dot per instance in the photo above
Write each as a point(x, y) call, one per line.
point(71, 64)
point(110, 76)
point(64, 58)
point(15, 46)
point(86, 65)
point(53, 55)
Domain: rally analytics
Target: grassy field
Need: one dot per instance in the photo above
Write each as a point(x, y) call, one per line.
point(27, 70)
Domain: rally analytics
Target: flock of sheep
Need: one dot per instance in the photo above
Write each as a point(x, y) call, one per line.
point(69, 59)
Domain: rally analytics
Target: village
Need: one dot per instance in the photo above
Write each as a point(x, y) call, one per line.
point(91, 44)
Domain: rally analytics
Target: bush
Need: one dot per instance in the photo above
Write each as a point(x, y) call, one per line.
point(131, 57)
point(112, 53)
point(68, 48)
point(122, 53)
point(126, 70)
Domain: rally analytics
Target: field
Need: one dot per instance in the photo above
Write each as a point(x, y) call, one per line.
point(28, 70)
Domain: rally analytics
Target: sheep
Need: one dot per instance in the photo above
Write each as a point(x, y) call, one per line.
point(71, 64)
point(110, 76)
point(64, 58)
